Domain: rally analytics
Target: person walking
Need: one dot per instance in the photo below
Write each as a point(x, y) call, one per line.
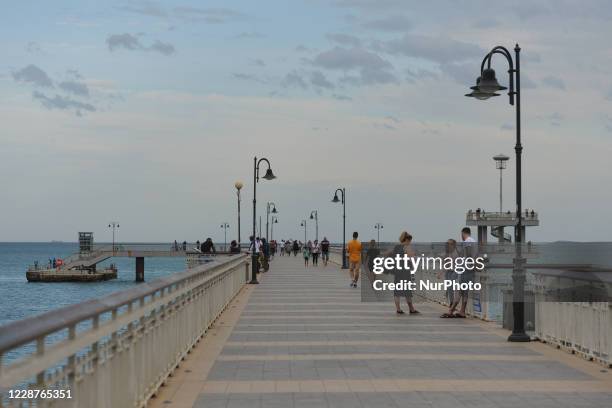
point(325, 251)
point(296, 247)
point(403, 248)
point(306, 254)
point(316, 249)
point(354, 253)
point(372, 253)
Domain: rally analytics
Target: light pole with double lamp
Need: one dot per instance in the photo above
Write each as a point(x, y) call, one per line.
point(378, 227)
point(314, 215)
point(225, 226)
point(270, 208)
point(485, 88)
point(274, 220)
point(268, 176)
point(303, 224)
point(238, 186)
point(337, 200)
point(115, 226)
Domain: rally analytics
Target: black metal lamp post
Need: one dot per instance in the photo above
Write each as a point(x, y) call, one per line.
point(303, 224)
point(274, 220)
point(314, 215)
point(238, 186)
point(225, 226)
point(114, 225)
point(270, 208)
point(268, 176)
point(378, 227)
point(336, 200)
point(486, 86)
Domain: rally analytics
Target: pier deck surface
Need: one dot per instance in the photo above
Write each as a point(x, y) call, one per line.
point(303, 338)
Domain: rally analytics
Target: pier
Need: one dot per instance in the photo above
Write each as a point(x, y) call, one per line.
point(303, 337)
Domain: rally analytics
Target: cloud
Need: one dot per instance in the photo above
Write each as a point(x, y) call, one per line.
point(127, 41)
point(248, 77)
point(371, 68)
point(507, 126)
point(33, 48)
point(293, 79)
point(349, 58)
point(319, 80)
point(344, 39)
point(258, 62)
point(553, 82)
point(147, 8)
point(249, 35)
point(163, 48)
point(76, 88)
point(33, 75)
point(442, 50)
point(608, 95)
point(131, 42)
point(390, 24)
point(420, 74)
point(485, 23)
point(63, 103)
point(207, 15)
point(465, 73)
point(342, 97)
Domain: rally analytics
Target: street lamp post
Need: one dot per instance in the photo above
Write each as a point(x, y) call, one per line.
point(274, 220)
point(114, 225)
point(225, 226)
point(314, 215)
point(500, 164)
point(270, 208)
point(486, 87)
point(303, 224)
point(378, 227)
point(336, 200)
point(268, 176)
point(238, 186)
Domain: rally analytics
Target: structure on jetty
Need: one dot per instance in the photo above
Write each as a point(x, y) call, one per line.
point(497, 221)
point(82, 266)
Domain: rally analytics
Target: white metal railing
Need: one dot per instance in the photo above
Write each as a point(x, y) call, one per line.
point(116, 351)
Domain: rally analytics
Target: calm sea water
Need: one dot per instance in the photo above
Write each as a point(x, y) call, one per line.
point(20, 298)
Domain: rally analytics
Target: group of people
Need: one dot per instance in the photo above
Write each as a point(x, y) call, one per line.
point(457, 299)
point(310, 250)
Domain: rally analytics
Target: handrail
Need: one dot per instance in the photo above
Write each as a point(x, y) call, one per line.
point(25, 331)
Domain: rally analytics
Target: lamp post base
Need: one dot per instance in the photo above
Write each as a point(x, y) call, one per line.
point(519, 338)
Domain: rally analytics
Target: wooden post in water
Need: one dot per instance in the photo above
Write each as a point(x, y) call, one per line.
point(140, 269)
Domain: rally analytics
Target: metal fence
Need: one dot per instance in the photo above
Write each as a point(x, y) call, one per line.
point(115, 351)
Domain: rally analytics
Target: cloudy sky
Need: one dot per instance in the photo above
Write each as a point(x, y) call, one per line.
point(146, 113)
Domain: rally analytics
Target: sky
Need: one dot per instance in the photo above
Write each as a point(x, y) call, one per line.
point(146, 113)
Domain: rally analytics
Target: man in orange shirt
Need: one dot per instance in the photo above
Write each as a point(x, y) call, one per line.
point(354, 255)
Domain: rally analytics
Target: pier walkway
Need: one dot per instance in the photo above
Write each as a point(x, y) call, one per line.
point(303, 338)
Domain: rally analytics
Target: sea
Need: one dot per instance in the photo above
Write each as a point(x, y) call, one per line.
point(20, 299)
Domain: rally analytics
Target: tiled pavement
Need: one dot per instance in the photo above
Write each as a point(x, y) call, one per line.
point(304, 339)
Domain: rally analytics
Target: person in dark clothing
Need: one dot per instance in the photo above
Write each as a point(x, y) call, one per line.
point(296, 247)
point(325, 251)
point(372, 253)
point(234, 248)
point(208, 247)
point(184, 245)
